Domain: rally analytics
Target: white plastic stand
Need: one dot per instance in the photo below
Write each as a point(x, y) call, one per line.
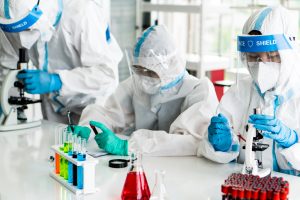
point(88, 173)
point(251, 164)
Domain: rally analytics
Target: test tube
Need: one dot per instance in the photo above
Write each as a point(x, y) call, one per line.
point(70, 143)
point(81, 157)
point(75, 151)
point(57, 157)
point(62, 159)
point(66, 140)
point(66, 150)
point(70, 164)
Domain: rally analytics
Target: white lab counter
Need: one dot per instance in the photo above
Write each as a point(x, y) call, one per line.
point(25, 167)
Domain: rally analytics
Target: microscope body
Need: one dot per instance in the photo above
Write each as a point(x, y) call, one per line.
point(13, 100)
point(253, 151)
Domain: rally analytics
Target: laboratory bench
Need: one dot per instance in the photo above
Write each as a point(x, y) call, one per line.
point(25, 167)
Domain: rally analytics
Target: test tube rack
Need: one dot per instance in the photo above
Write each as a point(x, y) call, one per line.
point(249, 187)
point(88, 173)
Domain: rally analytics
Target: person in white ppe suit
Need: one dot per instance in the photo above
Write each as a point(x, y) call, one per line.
point(268, 50)
point(71, 46)
point(152, 105)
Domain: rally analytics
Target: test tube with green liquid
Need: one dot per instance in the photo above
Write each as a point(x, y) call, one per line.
point(61, 148)
point(66, 150)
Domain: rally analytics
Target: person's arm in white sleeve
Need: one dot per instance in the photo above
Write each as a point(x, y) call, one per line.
point(99, 54)
point(8, 56)
point(117, 113)
point(291, 154)
point(185, 131)
point(205, 149)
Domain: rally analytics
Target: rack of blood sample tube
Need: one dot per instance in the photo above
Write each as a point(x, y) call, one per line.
point(73, 167)
point(249, 187)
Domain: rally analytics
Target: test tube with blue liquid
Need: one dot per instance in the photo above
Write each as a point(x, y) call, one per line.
point(81, 157)
point(82, 174)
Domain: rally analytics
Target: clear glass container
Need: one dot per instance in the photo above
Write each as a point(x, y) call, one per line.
point(159, 191)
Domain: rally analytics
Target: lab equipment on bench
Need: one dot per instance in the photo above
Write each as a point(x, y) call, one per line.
point(253, 152)
point(70, 121)
point(14, 107)
point(136, 185)
point(159, 191)
point(77, 169)
point(249, 187)
point(114, 163)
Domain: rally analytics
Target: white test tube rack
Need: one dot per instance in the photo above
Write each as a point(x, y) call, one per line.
point(88, 173)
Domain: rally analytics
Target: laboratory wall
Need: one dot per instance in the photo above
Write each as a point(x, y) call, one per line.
point(123, 22)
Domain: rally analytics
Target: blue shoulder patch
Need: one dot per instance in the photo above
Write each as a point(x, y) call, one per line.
point(107, 34)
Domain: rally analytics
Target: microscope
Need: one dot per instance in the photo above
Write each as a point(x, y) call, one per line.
point(14, 103)
point(253, 152)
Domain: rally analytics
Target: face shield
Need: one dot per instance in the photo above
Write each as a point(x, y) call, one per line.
point(32, 24)
point(144, 80)
point(155, 74)
point(21, 23)
point(266, 57)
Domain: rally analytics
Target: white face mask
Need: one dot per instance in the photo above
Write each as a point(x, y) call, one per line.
point(149, 85)
point(265, 75)
point(28, 38)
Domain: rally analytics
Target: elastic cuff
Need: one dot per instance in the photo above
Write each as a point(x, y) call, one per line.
point(56, 83)
point(293, 139)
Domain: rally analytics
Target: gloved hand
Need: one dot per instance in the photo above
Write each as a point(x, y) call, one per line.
point(81, 131)
point(219, 134)
point(273, 128)
point(39, 82)
point(108, 141)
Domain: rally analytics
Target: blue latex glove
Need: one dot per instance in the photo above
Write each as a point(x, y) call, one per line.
point(273, 128)
point(219, 134)
point(81, 131)
point(39, 82)
point(108, 141)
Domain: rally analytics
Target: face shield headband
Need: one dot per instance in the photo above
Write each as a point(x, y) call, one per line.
point(22, 23)
point(262, 43)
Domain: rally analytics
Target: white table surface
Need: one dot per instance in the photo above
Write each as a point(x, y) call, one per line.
point(25, 167)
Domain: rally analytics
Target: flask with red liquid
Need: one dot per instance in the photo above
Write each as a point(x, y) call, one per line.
point(136, 185)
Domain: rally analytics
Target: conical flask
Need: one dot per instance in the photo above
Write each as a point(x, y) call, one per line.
point(159, 191)
point(136, 185)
